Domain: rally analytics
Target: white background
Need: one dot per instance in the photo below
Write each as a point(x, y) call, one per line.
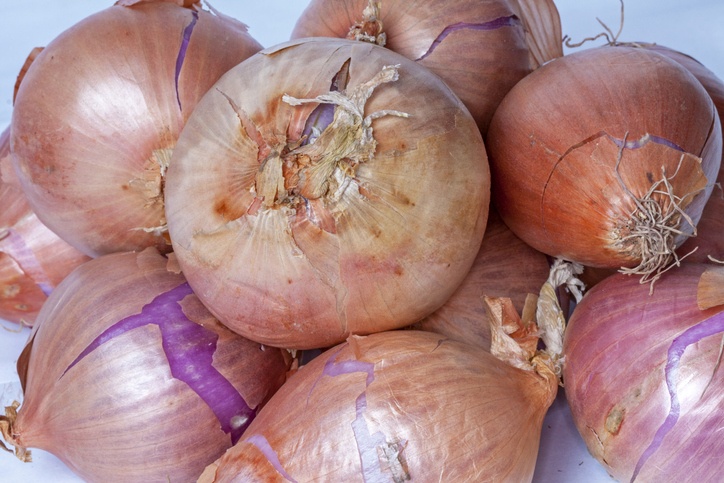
point(693, 27)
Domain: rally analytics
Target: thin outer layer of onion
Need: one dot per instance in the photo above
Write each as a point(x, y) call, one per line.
point(292, 259)
point(601, 176)
point(479, 48)
point(100, 109)
point(33, 259)
point(642, 375)
point(127, 376)
point(396, 406)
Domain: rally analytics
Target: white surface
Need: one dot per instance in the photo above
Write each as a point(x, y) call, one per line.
point(692, 27)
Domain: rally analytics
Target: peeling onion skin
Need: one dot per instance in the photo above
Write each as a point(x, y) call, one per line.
point(307, 273)
point(94, 119)
point(555, 139)
point(628, 355)
point(709, 239)
point(124, 407)
point(33, 259)
point(504, 267)
point(481, 49)
point(394, 406)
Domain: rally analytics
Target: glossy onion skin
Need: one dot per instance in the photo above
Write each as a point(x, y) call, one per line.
point(620, 345)
point(117, 412)
point(100, 103)
point(479, 48)
point(553, 149)
point(504, 267)
point(33, 259)
point(396, 406)
point(387, 252)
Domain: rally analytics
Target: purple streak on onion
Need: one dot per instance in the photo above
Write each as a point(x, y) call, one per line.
point(500, 22)
point(639, 143)
point(189, 348)
point(182, 51)
point(713, 325)
point(263, 445)
point(367, 442)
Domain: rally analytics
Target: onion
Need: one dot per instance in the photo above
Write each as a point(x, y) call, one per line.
point(33, 259)
point(606, 157)
point(397, 406)
point(128, 377)
point(101, 108)
point(368, 224)
point(481, 49)
point(642, 374)
point(504, 267)
point(709, 240)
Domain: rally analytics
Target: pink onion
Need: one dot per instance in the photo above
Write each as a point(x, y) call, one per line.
point(326, 187)
point(504, 267)
point(33, 259)
point(397, 406)
point(99, 112)
point(642, 375)
point(128, 377)
point(606, 157)
point(480, 48)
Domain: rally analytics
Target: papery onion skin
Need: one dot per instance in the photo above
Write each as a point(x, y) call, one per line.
point(641, 380)
point(306, 272)
point(33, 259)
point(556, 138)
point(101, 108)
point(396, 406)
point(709, 239)
point(504, 267)
point(107, 386)
point(479, 48)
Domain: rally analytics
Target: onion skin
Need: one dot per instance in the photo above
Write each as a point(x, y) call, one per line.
point(504, 267)
point(94, 120)
point(118, 376)
point(709, 239)
point(383, 248)
point(33, 259)
point(563, 126)
point(636, 372)
point(385, 408)
point(479, 48)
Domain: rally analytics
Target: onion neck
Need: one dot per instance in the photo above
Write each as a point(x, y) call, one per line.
point(369, 29)
point(514, 337)
point(7, 424)
point(325, 168)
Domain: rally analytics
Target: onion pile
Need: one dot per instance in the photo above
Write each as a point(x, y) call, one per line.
point(348, 198)
point(33, 259)
point(135, 380)
point(480, 48)
point(99, 112)
point(642, 374)
point(607, 177)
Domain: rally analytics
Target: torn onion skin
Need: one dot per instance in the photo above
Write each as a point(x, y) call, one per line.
point(97, 115)
point(709, 239)
point(504, 267)
point(480, 48)
point(33, 259)
point(642, 378)
point(358, 412)
point(128, 377)
point(582, 143)
point(368, 225)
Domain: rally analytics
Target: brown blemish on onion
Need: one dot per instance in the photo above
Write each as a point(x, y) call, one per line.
point(614, 420)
